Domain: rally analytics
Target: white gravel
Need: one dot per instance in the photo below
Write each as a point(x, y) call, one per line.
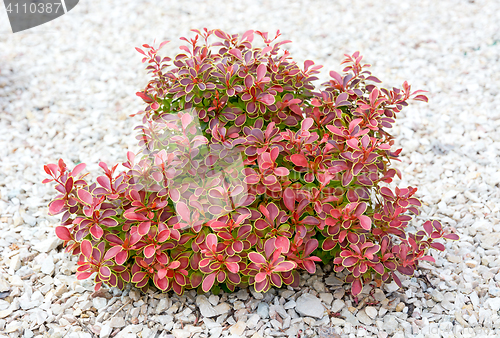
point(67, 88)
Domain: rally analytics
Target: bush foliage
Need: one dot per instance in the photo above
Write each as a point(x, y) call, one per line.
point(247, 174)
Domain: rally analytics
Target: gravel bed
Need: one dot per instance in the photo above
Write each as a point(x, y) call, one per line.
point(67, 88)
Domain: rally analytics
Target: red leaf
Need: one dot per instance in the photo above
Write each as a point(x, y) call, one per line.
point(276, 280)
point(83, 275)
point(56, 206)
point(267, 99)
point(186, 119)
point(111, 253)
point(261, 72)
point(149, 251)
point(453, 237)
point(63, 233)
point(144, 228)
point(357, 286)
point(138, 277)
point(208, 282)
point(285, 266)
point(309, 266)
point(289, 199)
point(85, 196)
point(235, 52)
point(365, 221)
point(261, 276)
point(182, 210)
point(350, 261)
point(130, 215)
point(86, 248)
point(104, 272)
point(257, 258)
point(299, 160)
point(143, 96)
point(121, 257)
point(96, 231)
point(163, 44)
point(211, 241)
point(78, 169)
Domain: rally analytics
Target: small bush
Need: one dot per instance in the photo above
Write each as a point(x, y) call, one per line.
point(248, 175)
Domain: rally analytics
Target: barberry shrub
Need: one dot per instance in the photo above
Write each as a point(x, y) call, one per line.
point(246, 175)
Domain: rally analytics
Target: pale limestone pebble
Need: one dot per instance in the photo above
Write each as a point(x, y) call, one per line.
point(238, 305)
point(253, 320)
point(213, 299)
point(289, 305)
point(337, 305)
point(319, 286)
point(162, 305)
point(363, 317)
point(287, 294)
point(242, 294)
point(371, 312)
point(327, 298)
point(332, 280)
point(309, 305)
point(400, 307)
point(4, 285)
point(437, 296)
point(99, 302)
point(15, 263)
point(238, 328)
point(134, 295)
point(339, 293)
point(48, 244)
point(391, 287)
point(255, 294)
point(263, 310)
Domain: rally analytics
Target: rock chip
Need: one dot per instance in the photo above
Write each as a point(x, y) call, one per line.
point(206, 309)
point(494, 303)
point(371, 312)
point(326, 297)
point(181, 333)
point(379, 295)
point(134, 295)
point(319, 286)
point(162, 305)
point(391, 324)
point(47, 245)
point(263, 310)
point(105, 331)
point(117, 322)
point(253, 321)
point(48, 265)
point(213, 299)
point(437, 296)
point(242, 294)
point(255, 294)
point(337, 305)
point(238, 328)
point(5, 313)
point(15, 263)
point(60, 290)
point(333, 281)
point(99, 302)
point(489, 241)
point(391, 287)
point(310, 306)
point(363, 317)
